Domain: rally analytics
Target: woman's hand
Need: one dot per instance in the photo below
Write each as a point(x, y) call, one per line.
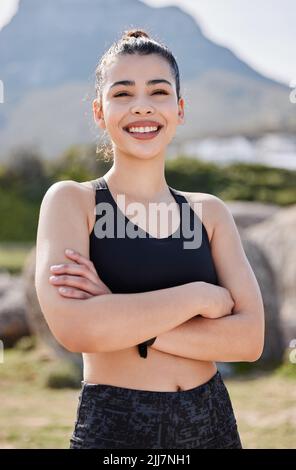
point(80, 279)
point(217, 301)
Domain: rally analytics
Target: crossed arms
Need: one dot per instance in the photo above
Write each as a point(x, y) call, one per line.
point(117, 321)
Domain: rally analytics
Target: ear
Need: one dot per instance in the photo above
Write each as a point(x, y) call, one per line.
point(181, 113)
point(98, 113)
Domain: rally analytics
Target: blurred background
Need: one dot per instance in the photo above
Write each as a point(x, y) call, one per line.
point(238, 78)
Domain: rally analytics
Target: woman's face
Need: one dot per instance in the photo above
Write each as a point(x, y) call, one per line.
point(124, 104)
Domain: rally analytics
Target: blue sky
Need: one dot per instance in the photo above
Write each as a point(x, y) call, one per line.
point(262, 32)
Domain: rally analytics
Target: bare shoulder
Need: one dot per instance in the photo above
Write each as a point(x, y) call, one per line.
point(81, 195)
point(60, 188)
point(213, 209)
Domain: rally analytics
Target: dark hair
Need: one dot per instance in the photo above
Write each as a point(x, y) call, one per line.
point(134, 41)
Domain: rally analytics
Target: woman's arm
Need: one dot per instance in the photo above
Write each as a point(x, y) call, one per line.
point(237, 337)
point(227, 339)
point(105, 322)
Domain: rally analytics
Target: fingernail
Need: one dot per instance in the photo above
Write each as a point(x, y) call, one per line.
point(69, 252)
point(53, 278)
point(55, 266)
point(63, 289)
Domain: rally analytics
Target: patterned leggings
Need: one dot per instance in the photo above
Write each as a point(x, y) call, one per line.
point(111, 417)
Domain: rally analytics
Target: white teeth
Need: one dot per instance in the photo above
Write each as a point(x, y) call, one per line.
point(142, 129)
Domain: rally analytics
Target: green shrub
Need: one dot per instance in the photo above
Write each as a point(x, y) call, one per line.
point(63, 374)
point(287, 370)
point(26, 343)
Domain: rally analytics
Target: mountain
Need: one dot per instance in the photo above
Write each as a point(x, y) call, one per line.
point(48, 56)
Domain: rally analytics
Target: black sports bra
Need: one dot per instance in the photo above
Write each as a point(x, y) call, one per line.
point(145, 263)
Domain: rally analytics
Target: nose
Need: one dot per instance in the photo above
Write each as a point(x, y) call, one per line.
point(142, 109)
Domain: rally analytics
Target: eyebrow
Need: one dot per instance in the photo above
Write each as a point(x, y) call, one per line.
point(132, 82)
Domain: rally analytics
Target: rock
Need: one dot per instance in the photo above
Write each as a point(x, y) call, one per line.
point(6, 281)
point(276, 238)
point(274, 335)
point(246, 213)
point(274, 346)
point(226, 370)
point(13, 319)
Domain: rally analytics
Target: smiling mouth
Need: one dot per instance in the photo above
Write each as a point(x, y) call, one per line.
point(143, 135)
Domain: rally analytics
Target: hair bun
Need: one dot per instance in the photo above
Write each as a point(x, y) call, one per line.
point(135, 33)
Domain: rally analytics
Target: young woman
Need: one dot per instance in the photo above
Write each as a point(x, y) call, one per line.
point(150, 313)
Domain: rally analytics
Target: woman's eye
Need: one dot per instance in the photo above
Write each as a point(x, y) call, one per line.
point(154, 93)
point(160, 91)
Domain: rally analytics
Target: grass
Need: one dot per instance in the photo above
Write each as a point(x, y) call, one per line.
point(36, 416)
point(32, 414)
point(264, 405)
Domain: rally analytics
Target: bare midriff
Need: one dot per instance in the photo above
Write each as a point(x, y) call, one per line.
point(159, 371)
